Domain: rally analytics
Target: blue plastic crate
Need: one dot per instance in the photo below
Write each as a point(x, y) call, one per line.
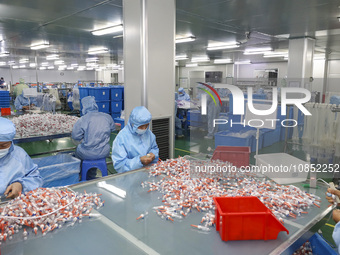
point(83, 92)
point(320, 246)
point(228, 138)
point(59, 170)
point(117, 93)
point(4, 93)
point(115, 115)
point(4, 100)
point(119, 121)
point(103, 106)
point(4, 105)
point(116, 106)
point(271, 136)
point(101, 94)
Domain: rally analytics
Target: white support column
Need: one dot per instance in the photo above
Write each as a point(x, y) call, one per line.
point(300, 61)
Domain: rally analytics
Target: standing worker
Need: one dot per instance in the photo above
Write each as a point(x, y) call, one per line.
point(94, 129)
point(17, 171)
point(135, 146)
point(213, 113)
point(20, 87)
point(182, 95)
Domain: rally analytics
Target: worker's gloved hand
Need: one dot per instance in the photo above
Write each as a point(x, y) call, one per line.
point(146, 160)
point(25, 107)
point(13, 190)
point(151, 155)
point(336, 215)
point(333, 192)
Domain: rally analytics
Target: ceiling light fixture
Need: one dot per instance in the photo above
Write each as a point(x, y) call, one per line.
point(32, 65)
point(2, 63)
point(222, 46)
point(108, 30)
point(70, 68)
point(23, 60)
point(15, 67)
point(117, 36)
point(181, 57)
point(42, 68)
point(254, 51)
point(50, 67)
point(191, 65)
point(200, 59)
point(22, 66)
point(39, 46)
point(91, 59)
point(44, 64)
point(243, 62)
point(190, 38)
point(223, 61)
point(52, 57)
point(59, 62)
point(97, 51)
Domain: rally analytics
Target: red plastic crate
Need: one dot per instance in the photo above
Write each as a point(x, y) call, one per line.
point(245, 218)
point(238, 156)
point(5, 111)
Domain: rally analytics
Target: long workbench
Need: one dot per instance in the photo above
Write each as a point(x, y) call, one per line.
point(116, 230)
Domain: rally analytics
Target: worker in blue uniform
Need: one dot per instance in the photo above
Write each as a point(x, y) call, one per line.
point(182, 95)
point(336, 216)
point(135, 146)
point(214, 110)
point(93, 130)
point(18, 173)
point(24, 103)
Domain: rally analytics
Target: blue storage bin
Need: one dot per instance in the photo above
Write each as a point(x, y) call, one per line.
point(271, 136)
point(228, 138)
point(103, 106)
point(320, 246)
point(226, 126)
point(4, 100)
point(115, 115)
point(116, 106)
point(4, 93)
point(83, 92)
point(4, 105)
point(119, 121)
point(59, 170)
point(101, 94)
point(117, 93)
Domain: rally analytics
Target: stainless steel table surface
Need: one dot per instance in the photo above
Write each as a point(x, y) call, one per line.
point(116, 230)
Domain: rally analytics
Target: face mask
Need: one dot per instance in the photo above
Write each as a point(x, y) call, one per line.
point(140, 131)
point(4, 152)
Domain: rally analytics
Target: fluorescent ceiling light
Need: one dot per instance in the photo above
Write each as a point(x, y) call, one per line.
point(254, 51)
point(22, 66)
point(42, 68)
point(52, 57)
point(63, 66)
point(70, 68)
point(275, 56)
point(97, 51)
point(200, 59)
point(181, 57)
point(39, 46)
point(23, 60)
point(285, 58)
point(190, 38)
point(74, 65)
point(4, 54)
point(59, 62)
point(222, 61)
point(121, 68)
point(108, 30)
point(319, 57)
point(11, 63)
point(2, 63)
point(15, 67)
point(89, 68)
point(113, 189)
point(191, 65)
point(32, 65)
point(243, 62)
point(44, 64)
point(117, 36)
point(91, 59)
point(221, 46)
point(91, 64)
point(50, 67)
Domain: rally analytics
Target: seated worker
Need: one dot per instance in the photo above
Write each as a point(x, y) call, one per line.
point(23, 103)
point(94, 129)
point(182, 95)
point(336, 217)
point(18, 173)
point(135, 146)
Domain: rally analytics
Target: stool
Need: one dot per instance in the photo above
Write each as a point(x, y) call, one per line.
point(97, 163)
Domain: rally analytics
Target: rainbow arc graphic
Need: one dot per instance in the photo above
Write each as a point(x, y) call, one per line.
point(209, 93)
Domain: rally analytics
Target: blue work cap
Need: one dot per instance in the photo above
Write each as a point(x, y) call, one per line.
point(181, 90)
point(138, 117)
point(89, 105)
point(7, 130)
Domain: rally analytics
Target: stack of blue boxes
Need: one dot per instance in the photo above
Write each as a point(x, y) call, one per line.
point(4, 99)
point(109, 100)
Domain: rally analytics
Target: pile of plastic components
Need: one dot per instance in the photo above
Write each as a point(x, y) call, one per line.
point(184, 190)
point(43, 124)
point(44, 210)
